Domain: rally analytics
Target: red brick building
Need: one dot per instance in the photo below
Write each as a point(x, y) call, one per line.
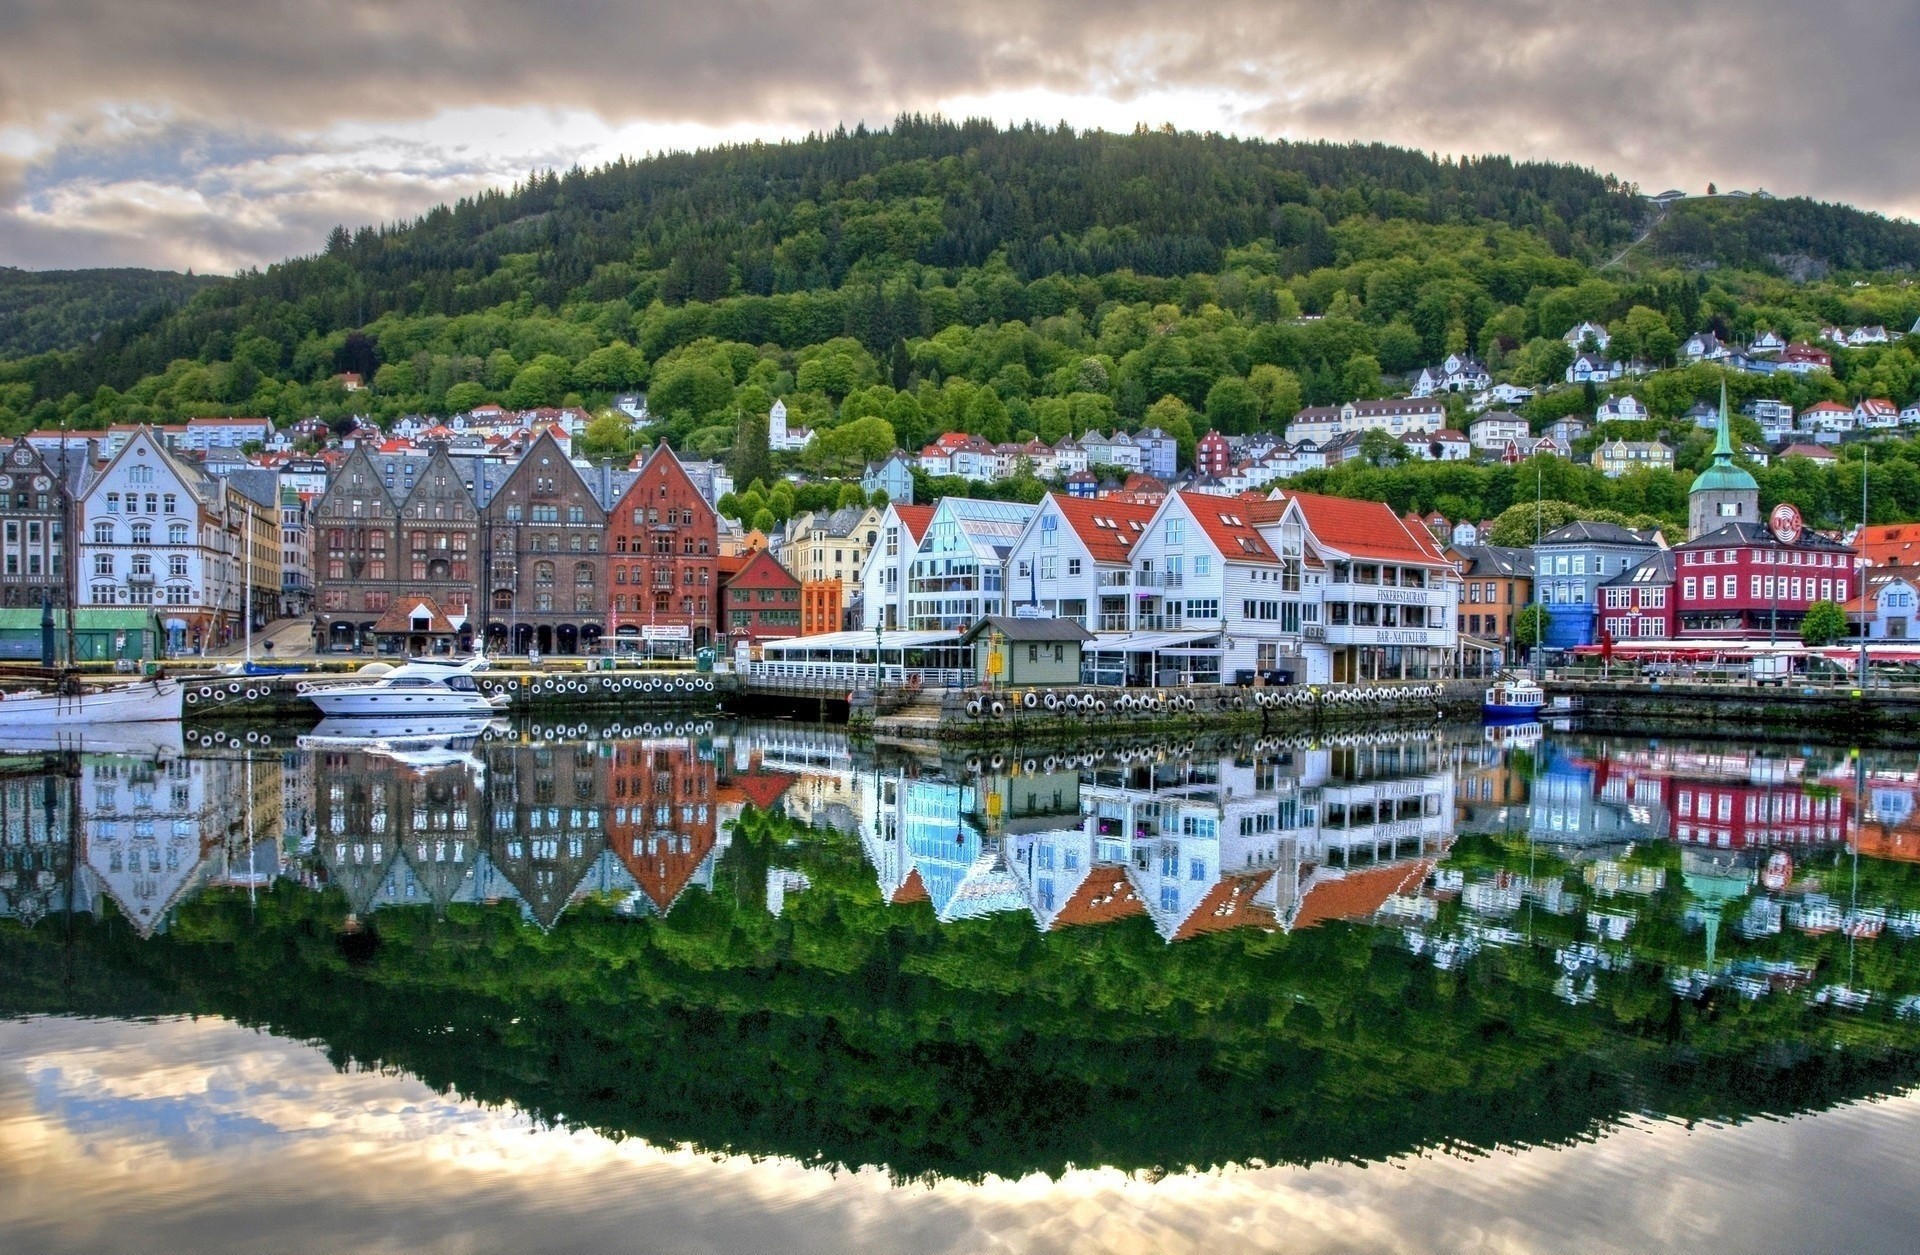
point(819, 607)
point(761, 602)
point(663, 822)
point(664, 542)
point(1742, 581)
point(1213, 455)
point(1639, 602)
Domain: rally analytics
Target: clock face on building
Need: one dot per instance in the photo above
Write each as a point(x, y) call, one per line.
point(1785, 522)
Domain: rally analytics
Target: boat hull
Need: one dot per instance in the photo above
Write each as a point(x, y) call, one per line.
point(388, 703)
point(1494, 712)
point(150, 701)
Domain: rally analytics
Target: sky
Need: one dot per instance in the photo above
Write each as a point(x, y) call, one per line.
point(221, 134)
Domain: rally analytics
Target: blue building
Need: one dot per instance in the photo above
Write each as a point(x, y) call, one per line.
point(894, 476)
point(1569, 565)
point(1159, 453)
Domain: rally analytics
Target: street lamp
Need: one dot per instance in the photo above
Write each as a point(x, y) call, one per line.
point(879, 660)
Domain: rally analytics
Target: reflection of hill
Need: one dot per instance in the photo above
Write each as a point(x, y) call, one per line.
point(854, 1031)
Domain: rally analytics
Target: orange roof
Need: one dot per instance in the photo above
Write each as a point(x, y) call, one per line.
point(761, 788)
point(1229, 904)
point(399, 617)
point(1358, 893)
point(916, 518)
point(1229, 524)
point(912, 889)
point(1893, 544)
point(1104, 896)
point(1109, 527)
point(1366, 529)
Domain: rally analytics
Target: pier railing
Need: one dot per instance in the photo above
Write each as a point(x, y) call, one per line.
point(847, 677)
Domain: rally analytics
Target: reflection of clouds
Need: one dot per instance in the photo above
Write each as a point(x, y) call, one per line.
point(200, 1135)
point(114, 104)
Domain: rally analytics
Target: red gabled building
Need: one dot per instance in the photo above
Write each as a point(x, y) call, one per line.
point(1742, 581)
point(663, 820)
point(665, 543)
point(760, 602)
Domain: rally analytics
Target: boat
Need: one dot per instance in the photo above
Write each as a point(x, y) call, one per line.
point(158, 700)
point(1513, 698)
point(417, 688)
point(153, 739)
point(421, 744)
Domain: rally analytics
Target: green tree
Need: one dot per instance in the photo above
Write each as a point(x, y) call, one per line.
point(1530, 625)
point(1825, 623)
point(752, 459)
point(605, 437)
point(1233, 407)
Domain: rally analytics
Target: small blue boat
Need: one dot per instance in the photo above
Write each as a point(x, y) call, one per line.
point(1513, 700)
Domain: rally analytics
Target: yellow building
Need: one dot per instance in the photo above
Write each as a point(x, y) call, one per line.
point(826, 546)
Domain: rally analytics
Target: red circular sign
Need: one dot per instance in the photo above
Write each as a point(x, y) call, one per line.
point(1785, 522)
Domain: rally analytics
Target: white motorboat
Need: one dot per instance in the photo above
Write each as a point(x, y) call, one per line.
point(422, 744)
point(158, 700)
point(418, 689)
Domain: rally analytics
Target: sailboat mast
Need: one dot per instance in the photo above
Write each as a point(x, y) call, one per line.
point(69, 545)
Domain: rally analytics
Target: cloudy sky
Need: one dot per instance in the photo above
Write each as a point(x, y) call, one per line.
point(224, 133)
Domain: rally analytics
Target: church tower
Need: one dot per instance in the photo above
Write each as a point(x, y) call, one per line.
point(1723, 493)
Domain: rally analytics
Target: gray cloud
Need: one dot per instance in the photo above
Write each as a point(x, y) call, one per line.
point(228, 132)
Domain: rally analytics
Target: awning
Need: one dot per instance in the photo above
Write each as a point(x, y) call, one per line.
point(861, 640)
point(1147, 642)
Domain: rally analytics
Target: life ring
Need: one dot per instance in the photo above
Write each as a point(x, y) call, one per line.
point(973, 709)
point(193, 699)
point(1030, 700)
point(999, 709)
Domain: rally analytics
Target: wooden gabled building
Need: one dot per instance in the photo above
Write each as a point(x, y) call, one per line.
point(545, 563)
point(665, 546)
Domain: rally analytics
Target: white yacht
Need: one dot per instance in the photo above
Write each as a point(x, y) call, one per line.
point(158, 700)
point(422, 687)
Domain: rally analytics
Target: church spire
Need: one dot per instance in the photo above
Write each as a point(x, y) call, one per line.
point(1723, 442)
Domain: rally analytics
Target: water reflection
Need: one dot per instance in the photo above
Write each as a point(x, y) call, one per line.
point(1345, 947)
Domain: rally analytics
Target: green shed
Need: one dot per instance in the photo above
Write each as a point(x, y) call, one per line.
point(99, 635)
point(1010, 650)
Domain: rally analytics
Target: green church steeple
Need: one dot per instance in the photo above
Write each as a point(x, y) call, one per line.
point(1723, 493)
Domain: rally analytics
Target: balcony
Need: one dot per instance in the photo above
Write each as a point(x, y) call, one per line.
point(1114, 579)
point(1354, 634)
point(1161, 579)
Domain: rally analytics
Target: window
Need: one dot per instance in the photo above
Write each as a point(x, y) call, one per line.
point(1689, 589)
point(103, 533)
point(143, 533)
point(1174, 532)
point(1073, 567)
point(177, 565)
point(1732, 587)
point(177, 534)
point(103, 564)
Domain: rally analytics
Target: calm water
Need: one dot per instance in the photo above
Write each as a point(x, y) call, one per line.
point(741, 987)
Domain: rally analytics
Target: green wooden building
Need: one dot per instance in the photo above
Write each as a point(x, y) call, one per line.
point(1026, 651)
point(99, 635)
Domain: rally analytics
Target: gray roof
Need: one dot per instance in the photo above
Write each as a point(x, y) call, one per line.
point(1656, 569)
point(1485, 561)
point(257, 483)
point(1015, 629)
point(1591, 532)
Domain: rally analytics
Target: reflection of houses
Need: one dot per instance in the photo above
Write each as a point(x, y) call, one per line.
point(662, 825)
point(36, 848)
point(148, 825)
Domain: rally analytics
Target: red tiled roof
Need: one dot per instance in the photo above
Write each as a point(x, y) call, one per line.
point(1366, 529)
point(1358, 893)
point(1229, 904)
point(1229, 524)
point(1110, 528)
point(915, 518)
point(1104, 896)
point(1895, 544)
point(399, 617)
point(912, 889)
point(1826, 407)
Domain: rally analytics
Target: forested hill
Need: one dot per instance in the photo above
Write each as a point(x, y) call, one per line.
point(939, 276)
point(63, 309)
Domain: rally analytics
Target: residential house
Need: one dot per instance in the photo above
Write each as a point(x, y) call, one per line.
point(1213, 455)
point(34, 492)
point(1159, 453)
point(204, 434)
point(1811, 452)
point(1389, 597)
point(1571, 562)
point(1860, 337)
point(1594, 368)
point(296, 551)
point(1886, 609)
point(883, 580)
point(1465, 532)
point(760, 602)
point(1496, 583)
point(1504, 395)
point(1768, 342)
point(1801, 358)
point(1703, 346)
point(1876, 414)
point(1396, 416)
point(1775, 418)
point(1639, 604)
point(1082, 484)
point(1204, 563)
point(1458, 373)
point(1494, 432)
point(1587, 334)
point(542, 553)
point(1828, 416)
point(1569, 429)
point(959, 569)
point(155, 531)
point(892, 475)
point(1625, 408)
point(1446, 445)
point(663, 572)
point(780, 437)
point(1074, 560)
point(832, 545)
point(1700, 414)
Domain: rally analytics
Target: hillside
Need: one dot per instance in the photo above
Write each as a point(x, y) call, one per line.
point(64, 309)
point(940, 276)
point(1800, 236)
